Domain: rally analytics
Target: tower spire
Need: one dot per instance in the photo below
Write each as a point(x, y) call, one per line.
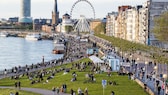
point(55, 15)
point(55, 7)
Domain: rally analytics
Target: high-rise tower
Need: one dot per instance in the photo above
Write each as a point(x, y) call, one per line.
point(25, 12)
point(55, 14)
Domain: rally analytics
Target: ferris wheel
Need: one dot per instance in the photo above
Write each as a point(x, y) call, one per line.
point(84, 8)
point(82, 12)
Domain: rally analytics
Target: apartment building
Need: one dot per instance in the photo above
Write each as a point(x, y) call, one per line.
point(143, 24)
point(94, 24)
point(111, 24)
point(121, 27)
point(131, 16)
point(135, 24)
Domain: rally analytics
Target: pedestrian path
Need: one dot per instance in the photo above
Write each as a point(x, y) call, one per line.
point(151, 85)
point(36, 90)
point(151, 81)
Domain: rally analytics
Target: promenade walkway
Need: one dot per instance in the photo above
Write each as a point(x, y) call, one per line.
point(139, 68)
point(36, 90)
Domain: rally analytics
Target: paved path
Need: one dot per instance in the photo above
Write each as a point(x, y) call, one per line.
point(36, 90)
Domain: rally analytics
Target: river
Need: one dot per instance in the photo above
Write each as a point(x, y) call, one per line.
point(16, 51)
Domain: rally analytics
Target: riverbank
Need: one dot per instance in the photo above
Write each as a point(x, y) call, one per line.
point(74, 52)
point(77, 50)
point(22, 34)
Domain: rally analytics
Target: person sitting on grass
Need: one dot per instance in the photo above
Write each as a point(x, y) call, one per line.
point(73, 79)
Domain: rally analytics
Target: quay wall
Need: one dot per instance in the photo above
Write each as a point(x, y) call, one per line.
point(147, 88)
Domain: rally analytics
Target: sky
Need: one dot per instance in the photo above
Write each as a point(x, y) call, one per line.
point(43, 8)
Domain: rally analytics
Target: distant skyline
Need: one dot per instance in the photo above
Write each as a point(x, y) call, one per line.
point(43, 8)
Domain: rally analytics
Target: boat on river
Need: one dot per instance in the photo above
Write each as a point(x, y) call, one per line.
point(59, 49)
point(33, 36)
point(4, 34)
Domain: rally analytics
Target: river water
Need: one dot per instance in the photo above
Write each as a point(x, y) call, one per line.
point(19, 52)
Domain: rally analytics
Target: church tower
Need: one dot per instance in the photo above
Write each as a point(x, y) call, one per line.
point(55, 15)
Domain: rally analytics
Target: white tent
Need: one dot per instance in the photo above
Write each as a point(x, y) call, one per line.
point(95, 59)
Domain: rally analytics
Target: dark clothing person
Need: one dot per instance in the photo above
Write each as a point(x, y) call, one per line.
point(64, 86)
point(19, 84)
point(145, 87)
point(112, 93)
point(15, 84)
point(17, 93)
point(72, 91)
point(159, 88)
point(54, 89)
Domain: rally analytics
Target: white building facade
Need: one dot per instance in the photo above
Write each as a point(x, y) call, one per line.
point(135, 24)
point(110, 24)
point(66, 21)
point(143, 24)
point(131, 17)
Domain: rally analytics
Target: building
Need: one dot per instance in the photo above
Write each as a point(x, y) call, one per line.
point(132, 25)
point(111, 23)
point(38, 23)
point(66, 22)
point(121, 32)
point(136, 24)
point(143, 24)
point(55, 15)
point(47, 28)
point(94, 23)
point(13, 20)
point(156, 8)
point(25, 12)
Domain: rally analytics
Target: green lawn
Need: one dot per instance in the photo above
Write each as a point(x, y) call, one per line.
point(7, 92)
point(123, 87)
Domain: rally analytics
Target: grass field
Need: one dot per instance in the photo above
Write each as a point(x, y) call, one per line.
point(7, 92)
point(124, 85)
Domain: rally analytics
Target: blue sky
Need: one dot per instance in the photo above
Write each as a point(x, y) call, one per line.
point(43, 8)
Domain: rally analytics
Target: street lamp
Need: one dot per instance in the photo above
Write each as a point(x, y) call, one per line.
point(155, 68)
point(137, 66)
point(43, 60)
point(137, 62)
point(131, 63)
point(164, 82)
point(146, 71)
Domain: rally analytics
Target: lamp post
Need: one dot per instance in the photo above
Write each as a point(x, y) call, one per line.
point(164, 82)
point(137, 66)
point(43, 60)
point(131, 63)
point(146, 71)
point(155, 68)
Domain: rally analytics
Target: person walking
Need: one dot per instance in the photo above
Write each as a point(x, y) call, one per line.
point(72, 91)
point(64, 86)
point(19, 84)
point(86, 91)
point(53, 89)
point(159, 88)
point(79, 91)
point(57, 90)
point(16, 84)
